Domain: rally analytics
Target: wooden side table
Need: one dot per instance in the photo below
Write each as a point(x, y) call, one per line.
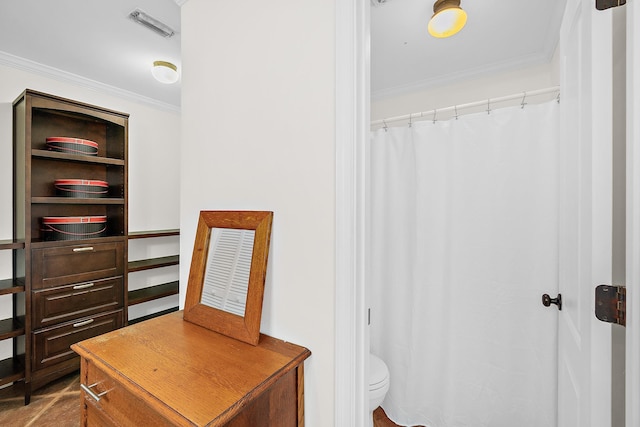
point(169, 372)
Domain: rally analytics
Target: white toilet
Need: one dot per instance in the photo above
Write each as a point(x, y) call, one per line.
point(378, 383)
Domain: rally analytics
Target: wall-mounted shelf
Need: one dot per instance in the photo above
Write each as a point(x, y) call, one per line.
point(10, 328)
point(151, 293)
point(148, 264)
point(151, 316)
point(11, 286)
point(154, 233)
point(11, 244)
point(12, 368)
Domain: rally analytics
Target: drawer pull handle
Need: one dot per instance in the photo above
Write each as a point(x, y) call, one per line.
point(85, 286)
point(85, 249)
point(86, 322)
point(91, 393)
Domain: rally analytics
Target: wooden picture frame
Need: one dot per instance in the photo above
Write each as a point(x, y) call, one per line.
point(244, 328)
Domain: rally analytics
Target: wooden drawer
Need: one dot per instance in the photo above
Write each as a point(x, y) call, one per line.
point(51, 345)
point(69, 302)
point(94, 416)
point(63, 265)
point(117, 404)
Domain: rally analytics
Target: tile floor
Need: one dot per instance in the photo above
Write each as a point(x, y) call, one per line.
point(54, 405)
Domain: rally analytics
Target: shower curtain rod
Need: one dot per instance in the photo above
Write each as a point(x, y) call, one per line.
point(432, 114)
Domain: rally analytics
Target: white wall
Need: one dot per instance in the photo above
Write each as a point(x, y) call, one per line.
point(472, 90)
point(258, 133)
point(154, 153)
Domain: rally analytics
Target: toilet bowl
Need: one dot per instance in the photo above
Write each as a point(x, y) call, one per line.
point(378, 383)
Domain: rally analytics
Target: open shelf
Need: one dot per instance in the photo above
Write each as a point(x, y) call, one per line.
point(151, 316)
point(10, 328)
point(84, 242)
point(11, 286)
point(77, 201)
point(153, 233)
point(46, 154)
point(11, 370)
point(148, 264)
point(153, 292)
point(11, 244)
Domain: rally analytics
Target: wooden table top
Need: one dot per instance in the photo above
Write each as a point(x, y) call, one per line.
point(191, 370)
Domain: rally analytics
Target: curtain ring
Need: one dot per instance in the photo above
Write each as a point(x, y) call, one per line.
point(558, 98)
point(435, 112)
point(455, 108)
point(488, 106)
point(385, 127)
point(409, 119)
point(524, 96)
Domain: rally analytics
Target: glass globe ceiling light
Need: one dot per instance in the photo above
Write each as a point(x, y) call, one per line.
point(165, 72)
point(448, 18)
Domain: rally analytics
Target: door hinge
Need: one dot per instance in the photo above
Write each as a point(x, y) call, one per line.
point(606, 4)
point(611, 304)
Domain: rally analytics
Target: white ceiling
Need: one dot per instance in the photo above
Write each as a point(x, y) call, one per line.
point(500, 35)
point(94, 39)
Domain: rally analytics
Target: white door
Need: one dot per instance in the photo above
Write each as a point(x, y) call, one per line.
point(584, 347)
point(633, 217)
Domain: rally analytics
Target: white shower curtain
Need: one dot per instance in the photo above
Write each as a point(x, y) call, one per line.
point(462, 244)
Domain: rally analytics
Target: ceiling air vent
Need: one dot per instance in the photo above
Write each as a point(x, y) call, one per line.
point(151, 23)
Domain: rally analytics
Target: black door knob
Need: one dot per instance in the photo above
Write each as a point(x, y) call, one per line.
point(547, 301)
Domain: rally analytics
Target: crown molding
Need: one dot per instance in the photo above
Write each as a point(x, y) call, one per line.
point(472, 73)
point(180, 2)
point(27, 65)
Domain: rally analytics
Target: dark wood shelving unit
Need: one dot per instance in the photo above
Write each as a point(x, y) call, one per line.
point(53, 263)
point(154, 292)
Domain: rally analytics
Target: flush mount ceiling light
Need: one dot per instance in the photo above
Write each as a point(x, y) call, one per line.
point(151, 23)
point(448, 18)
point(165, 72)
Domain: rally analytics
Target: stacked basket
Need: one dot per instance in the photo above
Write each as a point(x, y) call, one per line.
point(76, 227)
point(72, 145)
